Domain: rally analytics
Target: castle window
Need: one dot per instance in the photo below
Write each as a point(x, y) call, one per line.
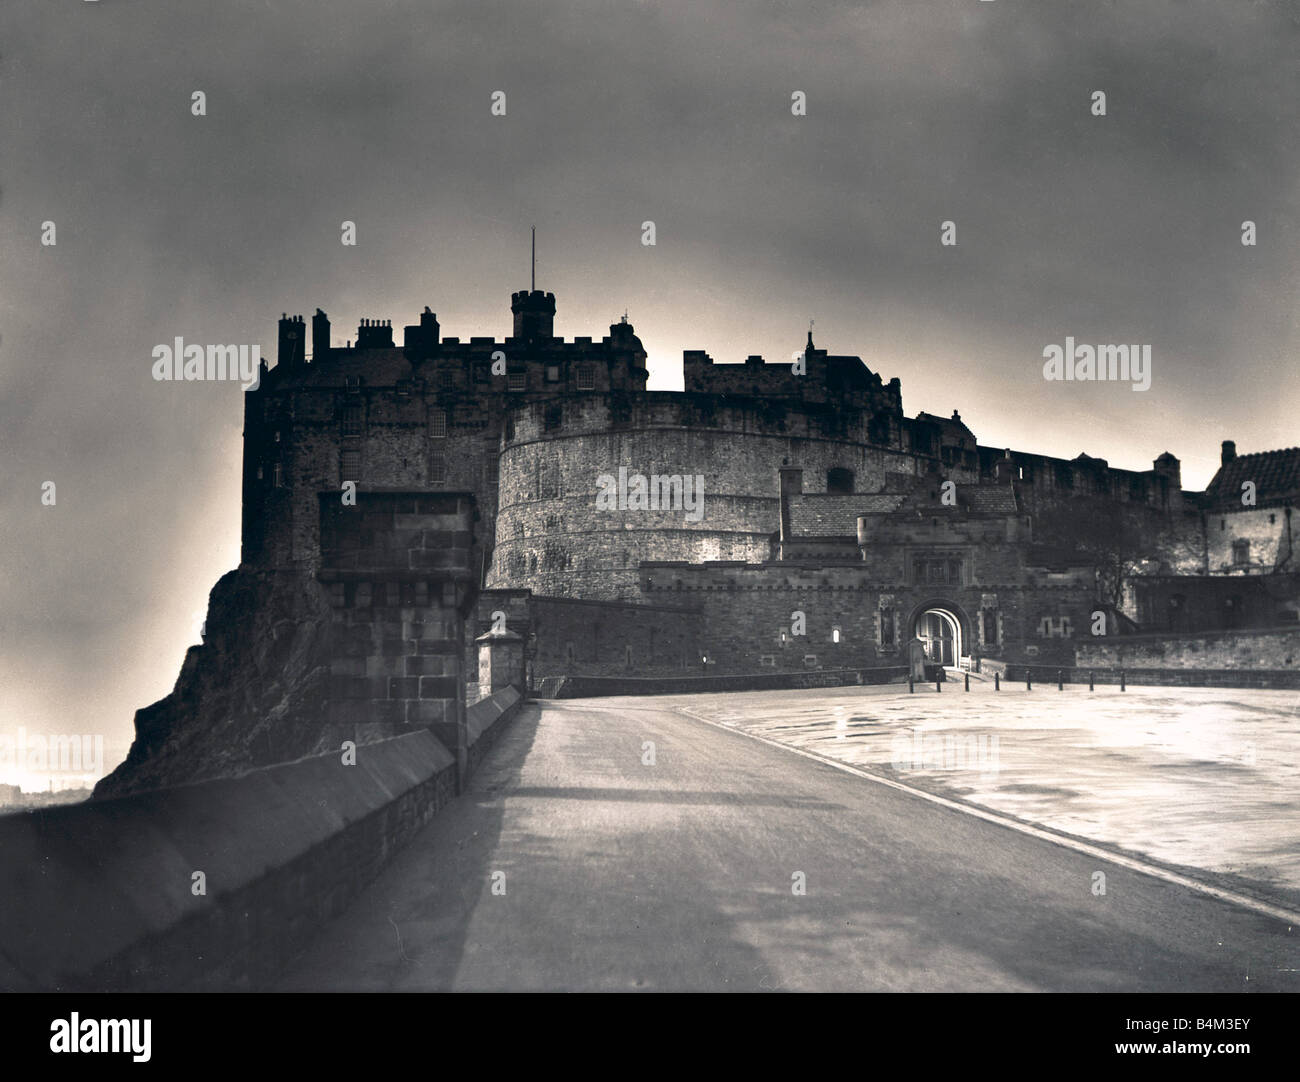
point(839, 481)
point(569, 652)
point(438, 466)
point(1241, 552)
point(548, 481)
point(277, 440)
point(1223, 524)
point(438, 424)
point(990, 627)
point(586, 377)
point(517, 381)
point(277, 475)
point(554, 418)
point(552, 373)
point(767, 660)
point(350, 466)
point(446, 380)
point(353, 420)
point(352, 383)
point(835, 633)
point(1272, 519)
point(886, 627)
point(493, 467)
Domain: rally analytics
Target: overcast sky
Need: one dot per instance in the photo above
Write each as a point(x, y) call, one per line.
point(1123, 228)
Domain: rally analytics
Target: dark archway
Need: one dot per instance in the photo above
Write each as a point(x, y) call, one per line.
point(945, 631)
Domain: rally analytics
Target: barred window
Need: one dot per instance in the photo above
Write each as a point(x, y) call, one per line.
point(445, 380)
point(586, 377)
point(438, 466)
point(517, 381)
point(493, 469)
point(438, 424)
point(353, 420)
point(277, 475)
point(1241, 552)
point(350, 466)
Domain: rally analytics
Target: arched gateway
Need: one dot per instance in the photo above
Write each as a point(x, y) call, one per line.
point(941, 627)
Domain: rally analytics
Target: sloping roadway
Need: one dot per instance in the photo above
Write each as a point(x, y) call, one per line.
point(611, 844)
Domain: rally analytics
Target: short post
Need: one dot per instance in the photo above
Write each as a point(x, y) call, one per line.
point(1029, 680)
point(1090, 680)
point(911, 684)
point(1121, 680)
point(968, 681)
point(1060, 681)
point(938, 683)
point(997, 681)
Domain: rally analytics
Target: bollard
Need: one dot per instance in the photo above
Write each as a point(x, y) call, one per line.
point(1090, 681)
point(911, 686)
point(1060, 681)
point(997, 681)
point(968, 681)
point(1121, 680)
point(1029, 683)
point(938, 683)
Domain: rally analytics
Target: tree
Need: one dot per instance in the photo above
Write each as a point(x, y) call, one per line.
point(1120, 542)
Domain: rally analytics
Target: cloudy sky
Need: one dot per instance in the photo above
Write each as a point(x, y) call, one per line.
point(1122, 228)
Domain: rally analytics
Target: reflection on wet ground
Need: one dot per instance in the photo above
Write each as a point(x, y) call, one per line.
point(1203, 777)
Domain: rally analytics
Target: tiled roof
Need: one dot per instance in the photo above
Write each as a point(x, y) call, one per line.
point(1276, 475)
point(987, 499)
point(817, 515)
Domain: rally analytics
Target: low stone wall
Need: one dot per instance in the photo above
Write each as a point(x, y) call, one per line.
point(1197, 678)
point(99, 896)
point(581, 687)
point(485, 720)
point(1264, 649)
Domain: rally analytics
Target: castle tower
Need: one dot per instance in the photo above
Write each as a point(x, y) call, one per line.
point(534, 313)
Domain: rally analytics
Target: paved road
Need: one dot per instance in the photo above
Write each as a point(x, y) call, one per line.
point(619, 875)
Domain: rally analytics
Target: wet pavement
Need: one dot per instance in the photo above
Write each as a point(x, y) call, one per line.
point(1202, 778)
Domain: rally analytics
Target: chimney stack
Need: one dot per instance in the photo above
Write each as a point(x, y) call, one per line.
point(790, 484)
point(293, 341)
point(320, 335)
point(1229, 452)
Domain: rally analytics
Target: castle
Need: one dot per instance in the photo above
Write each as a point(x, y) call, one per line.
point(406, 506)
point(822, 497)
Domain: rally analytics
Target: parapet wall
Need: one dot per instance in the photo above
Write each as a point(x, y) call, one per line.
point(1266, 649)
point(99, 896)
